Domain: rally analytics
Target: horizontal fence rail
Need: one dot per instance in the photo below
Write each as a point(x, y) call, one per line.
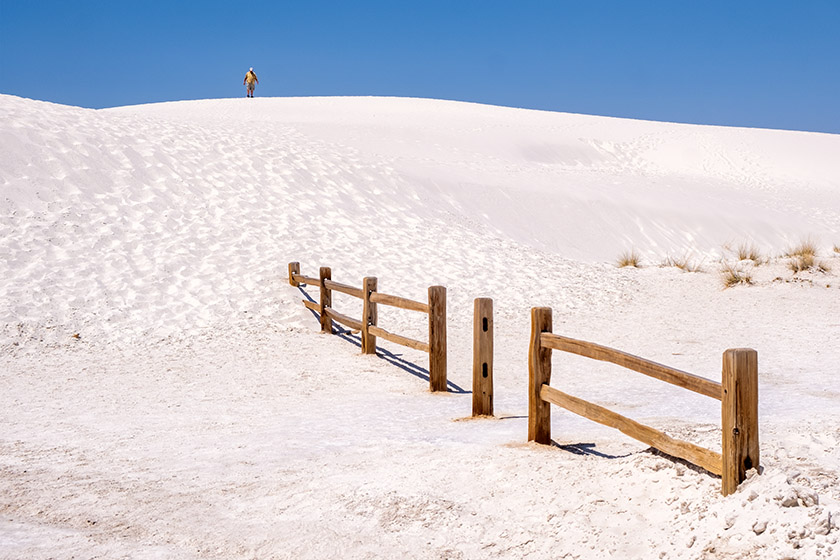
point(396, 301)
point(343, 319)
point(299, 279)
point(670, 375)
point(397, 339)
point(344, 288)
point(700, 456)
point(367, 325)
point(738, 394)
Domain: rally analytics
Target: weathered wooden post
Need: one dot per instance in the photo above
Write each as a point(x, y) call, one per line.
point(739, 416)
point(369, 315)
point(294, 268)
point(482, 401)
point(326, 300)
point(539, 374)
point(437, 338)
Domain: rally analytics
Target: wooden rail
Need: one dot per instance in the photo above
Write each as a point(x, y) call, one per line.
point(663, 373)
point(396, 301)
point(306, 280)
point(371, 299)
point(296, 278)
point(313, 305)
point(700, 456)
point(343, 319)
point(344, 289)
point(397, 339)
point(738, 394)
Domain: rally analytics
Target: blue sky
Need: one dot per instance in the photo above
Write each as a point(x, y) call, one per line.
point(773, 64)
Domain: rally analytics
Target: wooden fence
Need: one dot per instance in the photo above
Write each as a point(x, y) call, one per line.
point(367, 325)
point(738, 394)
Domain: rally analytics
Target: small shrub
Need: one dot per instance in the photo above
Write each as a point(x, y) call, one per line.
point(733, 276)
point(800, 263)
point(629, 258)
point(806, 248)
point(684, 263)
point(749, 252)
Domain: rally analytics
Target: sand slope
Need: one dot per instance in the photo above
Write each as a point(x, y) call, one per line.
point(198, 414)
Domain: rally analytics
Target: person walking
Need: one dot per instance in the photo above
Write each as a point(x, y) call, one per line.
point(250, 82)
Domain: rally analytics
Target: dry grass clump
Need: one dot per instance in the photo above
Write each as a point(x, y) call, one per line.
point(800, 263)
point(836, 249)
point(629, 258)
point(684, 263)
point(805, 249)
point(749, 252)
point(807, 262)
point(733, 276)
point(803, 257)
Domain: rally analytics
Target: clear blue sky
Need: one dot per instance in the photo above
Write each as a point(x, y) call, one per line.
point(773, 64)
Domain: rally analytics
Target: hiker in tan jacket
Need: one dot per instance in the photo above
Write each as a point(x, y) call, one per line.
point(250, 82)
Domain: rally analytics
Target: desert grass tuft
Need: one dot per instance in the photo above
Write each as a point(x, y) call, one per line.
point(629, 258)
point(749, 252)
point(806, 248)
point(801, 262)
point(836, 249)
point(733, 276)
point(684, 263)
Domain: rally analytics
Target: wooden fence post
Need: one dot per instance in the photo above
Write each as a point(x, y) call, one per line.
point(482, 400)
point(437, 338)
point(369, 315)
point(326, 300)
point(539, 373)
point(294, 268)
point(739, 416)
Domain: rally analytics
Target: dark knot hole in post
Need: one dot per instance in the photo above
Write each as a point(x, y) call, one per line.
point(484, 369)
point(484, 324)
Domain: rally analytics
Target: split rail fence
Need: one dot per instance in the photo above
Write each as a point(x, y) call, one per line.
point(738, 394)
point(367, 325)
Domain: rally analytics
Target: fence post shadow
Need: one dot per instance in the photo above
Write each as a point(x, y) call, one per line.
point(305, 294)
point(586, 449)
point(416, 370)
point(589, 449)
point(680, 461)
point(390, 357)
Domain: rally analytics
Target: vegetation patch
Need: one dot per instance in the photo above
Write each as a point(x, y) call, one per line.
point(684, 263)
point(806, 248)
point(749, 252)
point(801, 263)
point(630, 258)
point(733, 276)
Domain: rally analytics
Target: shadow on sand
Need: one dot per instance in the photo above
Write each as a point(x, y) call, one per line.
point(589, 449)
point(586, 449)
point(390, 357)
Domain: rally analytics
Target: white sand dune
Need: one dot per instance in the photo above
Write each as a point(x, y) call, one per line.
point(165, 395)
